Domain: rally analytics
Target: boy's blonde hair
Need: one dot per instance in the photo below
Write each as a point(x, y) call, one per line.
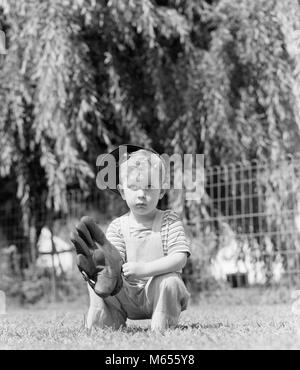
point(140, 161)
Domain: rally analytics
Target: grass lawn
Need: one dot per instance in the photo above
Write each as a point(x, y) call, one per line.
point(225, 321)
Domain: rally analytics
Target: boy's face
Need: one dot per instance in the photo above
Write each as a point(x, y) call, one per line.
point(139, 191)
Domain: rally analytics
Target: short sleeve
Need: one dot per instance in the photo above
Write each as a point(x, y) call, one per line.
point(176, 238)
point(114, 235)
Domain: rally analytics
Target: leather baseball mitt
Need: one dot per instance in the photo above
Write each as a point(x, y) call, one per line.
point(98, 260)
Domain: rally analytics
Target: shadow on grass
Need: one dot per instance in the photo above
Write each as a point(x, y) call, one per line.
point(136, 330)
point(183, 327)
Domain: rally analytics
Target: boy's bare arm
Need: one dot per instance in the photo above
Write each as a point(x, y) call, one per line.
point(164, 265)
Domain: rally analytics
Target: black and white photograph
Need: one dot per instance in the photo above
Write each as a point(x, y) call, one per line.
point(149, 177)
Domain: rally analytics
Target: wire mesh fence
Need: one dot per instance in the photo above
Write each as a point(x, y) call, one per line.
point(252, 222)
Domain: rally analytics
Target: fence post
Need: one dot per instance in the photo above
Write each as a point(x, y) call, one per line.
point(53, 274)
point(2, 303)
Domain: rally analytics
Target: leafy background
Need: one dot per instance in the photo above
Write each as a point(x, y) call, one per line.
point(216, 77)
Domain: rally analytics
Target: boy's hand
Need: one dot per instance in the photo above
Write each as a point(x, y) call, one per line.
point(134, 269)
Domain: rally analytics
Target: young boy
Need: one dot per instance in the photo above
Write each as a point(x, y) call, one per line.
point(153, 250)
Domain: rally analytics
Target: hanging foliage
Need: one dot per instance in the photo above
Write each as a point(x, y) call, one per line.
point(188, 76)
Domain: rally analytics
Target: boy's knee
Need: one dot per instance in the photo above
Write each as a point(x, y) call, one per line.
point(170, 281)
point(167, 293)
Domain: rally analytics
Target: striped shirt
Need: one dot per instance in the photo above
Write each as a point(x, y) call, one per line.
point(172, 234)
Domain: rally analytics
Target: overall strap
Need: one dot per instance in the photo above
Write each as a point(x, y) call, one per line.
point(156, 227)
point(125, 227)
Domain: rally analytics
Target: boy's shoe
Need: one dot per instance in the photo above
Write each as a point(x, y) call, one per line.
point(97, 259)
